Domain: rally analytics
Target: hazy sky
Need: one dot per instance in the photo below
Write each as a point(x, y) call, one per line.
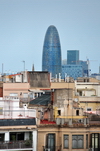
point(23, 24)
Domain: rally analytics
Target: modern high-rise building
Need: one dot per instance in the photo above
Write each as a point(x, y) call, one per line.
point(85, 67)
point(51, 57)
point(72, 57)
point(72, 70)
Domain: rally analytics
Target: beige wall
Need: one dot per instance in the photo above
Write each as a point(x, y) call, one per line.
point(59, 132)
point(58, 85)
point(89, 102)
point(15, 88)
point(93, 106)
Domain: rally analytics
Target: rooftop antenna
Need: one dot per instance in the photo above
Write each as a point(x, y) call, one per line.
point(59, 77)
point(56, 77)
point(33, 67)
point(88, 63)
point(65, 76)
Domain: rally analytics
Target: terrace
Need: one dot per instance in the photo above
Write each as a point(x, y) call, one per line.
point(16, 144)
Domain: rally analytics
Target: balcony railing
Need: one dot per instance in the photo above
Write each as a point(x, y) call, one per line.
point(16, 144)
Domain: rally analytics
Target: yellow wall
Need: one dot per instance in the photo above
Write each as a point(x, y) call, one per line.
point(59, 132)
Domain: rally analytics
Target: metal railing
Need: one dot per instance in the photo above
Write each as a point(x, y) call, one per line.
point(15, 144)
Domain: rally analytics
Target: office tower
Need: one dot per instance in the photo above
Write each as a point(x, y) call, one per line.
point(85, 67)
point(72, 57)
point(72, 70)
point(51, 57)
point(64, 62)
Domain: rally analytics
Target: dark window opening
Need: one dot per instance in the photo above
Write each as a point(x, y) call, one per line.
point(88, 109)
point(1, 137)
point(59, 112)
point(87, 141)
point(17, 136)
point(80, 93)
point(77, 112)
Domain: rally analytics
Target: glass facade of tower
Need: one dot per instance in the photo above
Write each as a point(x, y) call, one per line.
point(51, 57)
point(73, 71)
point(85, 67)
point(72, 56)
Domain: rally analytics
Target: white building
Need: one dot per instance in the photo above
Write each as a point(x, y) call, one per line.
point(17, 126)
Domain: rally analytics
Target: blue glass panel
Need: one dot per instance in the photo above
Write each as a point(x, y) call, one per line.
point(51, 58)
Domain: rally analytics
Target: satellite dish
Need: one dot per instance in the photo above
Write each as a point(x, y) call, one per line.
point(76, 100)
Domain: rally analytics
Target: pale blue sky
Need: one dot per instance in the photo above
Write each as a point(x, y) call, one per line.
point(23, 24)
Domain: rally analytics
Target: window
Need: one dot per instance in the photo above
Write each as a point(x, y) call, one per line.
point(50, 142)
point(59, 112)
point(89, 109)
point(80, 93)
point(13, 94)
point(87, 141)
point(77, 112)
point(1, 110)
point(25, 95)
point(16, 136)
point(95, 140)
point(66, 141)
point(77, 141)
point(2, 137)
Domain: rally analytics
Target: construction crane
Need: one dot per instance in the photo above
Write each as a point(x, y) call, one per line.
point(88, 62)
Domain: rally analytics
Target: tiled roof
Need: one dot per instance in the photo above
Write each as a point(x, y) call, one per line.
point(45, 99)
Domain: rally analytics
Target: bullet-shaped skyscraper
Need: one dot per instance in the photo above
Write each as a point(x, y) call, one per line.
point(51, 57)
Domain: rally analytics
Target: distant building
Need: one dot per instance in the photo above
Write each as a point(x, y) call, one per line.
point(85, 67)
point(72, 57)
point(73, 67)
point(73, 71)
point(64, 62)
point(51, 58)
point(96, 75)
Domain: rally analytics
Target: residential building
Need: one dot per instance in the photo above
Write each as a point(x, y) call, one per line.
point(17, 126)
point(88, 90)
point(63, 124)
point(67, 113)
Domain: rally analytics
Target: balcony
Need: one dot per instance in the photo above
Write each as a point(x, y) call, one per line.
point(16, 144)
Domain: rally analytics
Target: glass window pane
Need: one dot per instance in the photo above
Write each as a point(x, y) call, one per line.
point(66, 141)
point(92, 142)
point(96, 142)
point(80, 143)
point(77, 141)
point(74, 144)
